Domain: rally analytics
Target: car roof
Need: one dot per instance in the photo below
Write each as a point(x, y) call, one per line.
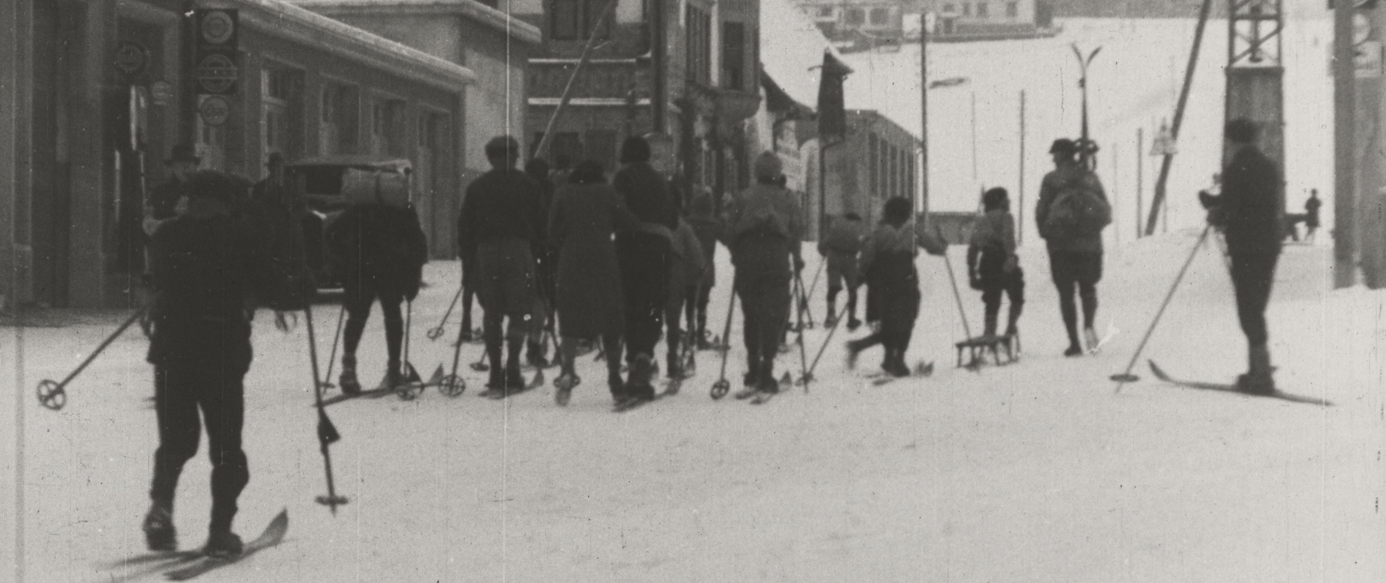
point(360, 161)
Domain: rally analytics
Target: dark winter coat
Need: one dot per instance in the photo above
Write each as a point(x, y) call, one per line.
point(209, 273)
point(1248, 205)
point(581, 224)
point(1054, 183)
point(1311, 212)
point(992, 246)
point(645, 253)
point(163, 199)
point(379, 245)
point(708, 230)
point(887, 263)
point(499, 204)
point(646, 194)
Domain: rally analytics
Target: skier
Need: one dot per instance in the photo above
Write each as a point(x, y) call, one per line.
point(992, 265)
point(840, 248)
point(1248, 214)
point(763, 227)
point(892, 301)
point(209, 272)
point(586, 214)
point(381, 250)
point(644, 257)
point(498, 227)
point(544, 259)
point(685, 272)
point(707, 228)
point(1071, 213)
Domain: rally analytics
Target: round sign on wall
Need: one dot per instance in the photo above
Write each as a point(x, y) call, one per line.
point(131, 58)
point(216, 73)
point(214, 110)
point(217, 27)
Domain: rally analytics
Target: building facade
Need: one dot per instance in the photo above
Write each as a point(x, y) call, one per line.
point(877, 161)
point(682, 69)
point(107, 88)
point(868, 24)
point(472, 34)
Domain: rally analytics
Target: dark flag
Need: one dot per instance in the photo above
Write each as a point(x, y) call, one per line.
point(832, 118)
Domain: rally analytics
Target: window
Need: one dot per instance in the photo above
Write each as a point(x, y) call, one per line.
point(601, 146)
point(337, 126)
point(567, 149)
point(855, 17)
point(387, 128)
point(576, 19)
point(825, 11)
point(880, 16)
point(1012, 9)
point(950, 8)
point(967, 9)
point(982, 11)
point(698, 45)
point(281, 116)
point(733, 55)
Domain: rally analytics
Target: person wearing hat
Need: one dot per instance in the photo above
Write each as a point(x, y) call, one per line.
point(209, 274)
point(1075, 257)
point(498, 228)
point(1248, 213)
point(763, 227)
point(165, 199)
point(645, 256)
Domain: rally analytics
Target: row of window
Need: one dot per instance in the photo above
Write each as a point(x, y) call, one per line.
point(982, 9)
point(880, 16)
point(891, 168)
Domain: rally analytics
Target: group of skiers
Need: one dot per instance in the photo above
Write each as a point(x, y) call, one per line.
point(614, 261)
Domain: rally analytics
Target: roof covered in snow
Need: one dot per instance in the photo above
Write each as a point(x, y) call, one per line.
point(791, 49)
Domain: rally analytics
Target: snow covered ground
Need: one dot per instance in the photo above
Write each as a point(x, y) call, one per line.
point(1036, 471)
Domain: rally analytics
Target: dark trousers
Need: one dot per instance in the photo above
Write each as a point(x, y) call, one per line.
point(359, 296)
point(695, 308)
point(1012, 285)
point(762, 282)
point(1080, 269)
point(900, 303)
point(1252, 277)
point(179, 391)
point(645, 284)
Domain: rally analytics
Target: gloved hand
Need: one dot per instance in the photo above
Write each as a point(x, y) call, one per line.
point(798, 263)
point(975, 280)
point(1011, 264)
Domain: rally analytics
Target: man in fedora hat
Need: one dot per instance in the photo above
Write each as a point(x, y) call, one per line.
point(1074, 240)
point(166, 199)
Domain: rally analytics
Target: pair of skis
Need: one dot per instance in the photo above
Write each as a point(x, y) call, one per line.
point(185, 565)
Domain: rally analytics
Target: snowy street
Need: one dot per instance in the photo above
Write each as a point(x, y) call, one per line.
point(1032, 472)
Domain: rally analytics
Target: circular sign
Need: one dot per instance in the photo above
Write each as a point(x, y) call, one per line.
point(214, 110)
point(217, 27)
point(216, 73)
point(131, 58)
point(1361, 28)
point(161, 92)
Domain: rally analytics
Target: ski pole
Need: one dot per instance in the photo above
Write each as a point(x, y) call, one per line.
point(816, 274)
point(808, 375)
point(1127, 377)
point(722, 386)
point(327, 433)
point(326, 382)
point(956, 294)
point(803, 359)
point(437, 332)
point(804, 302)
point(53, 395)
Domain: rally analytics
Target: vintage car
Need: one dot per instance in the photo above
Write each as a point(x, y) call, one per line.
point(330, 184)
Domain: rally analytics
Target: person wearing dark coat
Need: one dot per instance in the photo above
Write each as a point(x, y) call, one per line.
point(1075, 260)
point(544, 257)
point(1248, 213)
point(763, 226)
point(992, 265)
point(840, 248)
point(892, 300)
point(167, 198)
point(586, 213)
point(498, 227)
point(1311, 215)
point(644, 255)
point(381, 250)
point(707, 228)
point(209, 272)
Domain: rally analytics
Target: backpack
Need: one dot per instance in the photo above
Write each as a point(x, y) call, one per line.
point(1078, 210)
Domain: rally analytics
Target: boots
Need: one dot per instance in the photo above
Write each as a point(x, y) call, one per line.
point(534, 354)
point(223, 544)
point(159, 534)
point(348, 382)
point(1258, 378)
point(990, 331)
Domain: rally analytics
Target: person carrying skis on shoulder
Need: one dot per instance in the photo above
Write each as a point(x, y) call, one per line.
point(1071, 213)
point(992, 265)
point(763, 227)
point(209, 272)
point(708, 229)
point(381, 250)
point(497, 228)
point(586, 214)
point(1248, 214)
point(644, 255)
point(840, 248)
point(685, 274)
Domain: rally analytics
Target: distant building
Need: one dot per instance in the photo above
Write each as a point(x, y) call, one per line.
point(871, 24)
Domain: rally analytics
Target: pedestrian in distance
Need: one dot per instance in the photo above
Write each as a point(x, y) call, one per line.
point(1248, 214)
point(685, 276)
point(1071, 213)
point(544, 258)
point(209, 273)
point(586, 214)
point(992, 265)
point(763, 227)
point(1311, 215)
point(707, 228)
point(892, 300)
point(498, 227)
point(380, 250)
point(645, 256)
point(840, 248)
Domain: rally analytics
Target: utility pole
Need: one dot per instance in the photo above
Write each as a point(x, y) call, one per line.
point(923, 117)
point(1344, 129)
point(1157, 203)
point(1369, 25)
point(658, 55)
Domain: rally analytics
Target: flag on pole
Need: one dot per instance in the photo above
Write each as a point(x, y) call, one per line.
point(832, 116)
